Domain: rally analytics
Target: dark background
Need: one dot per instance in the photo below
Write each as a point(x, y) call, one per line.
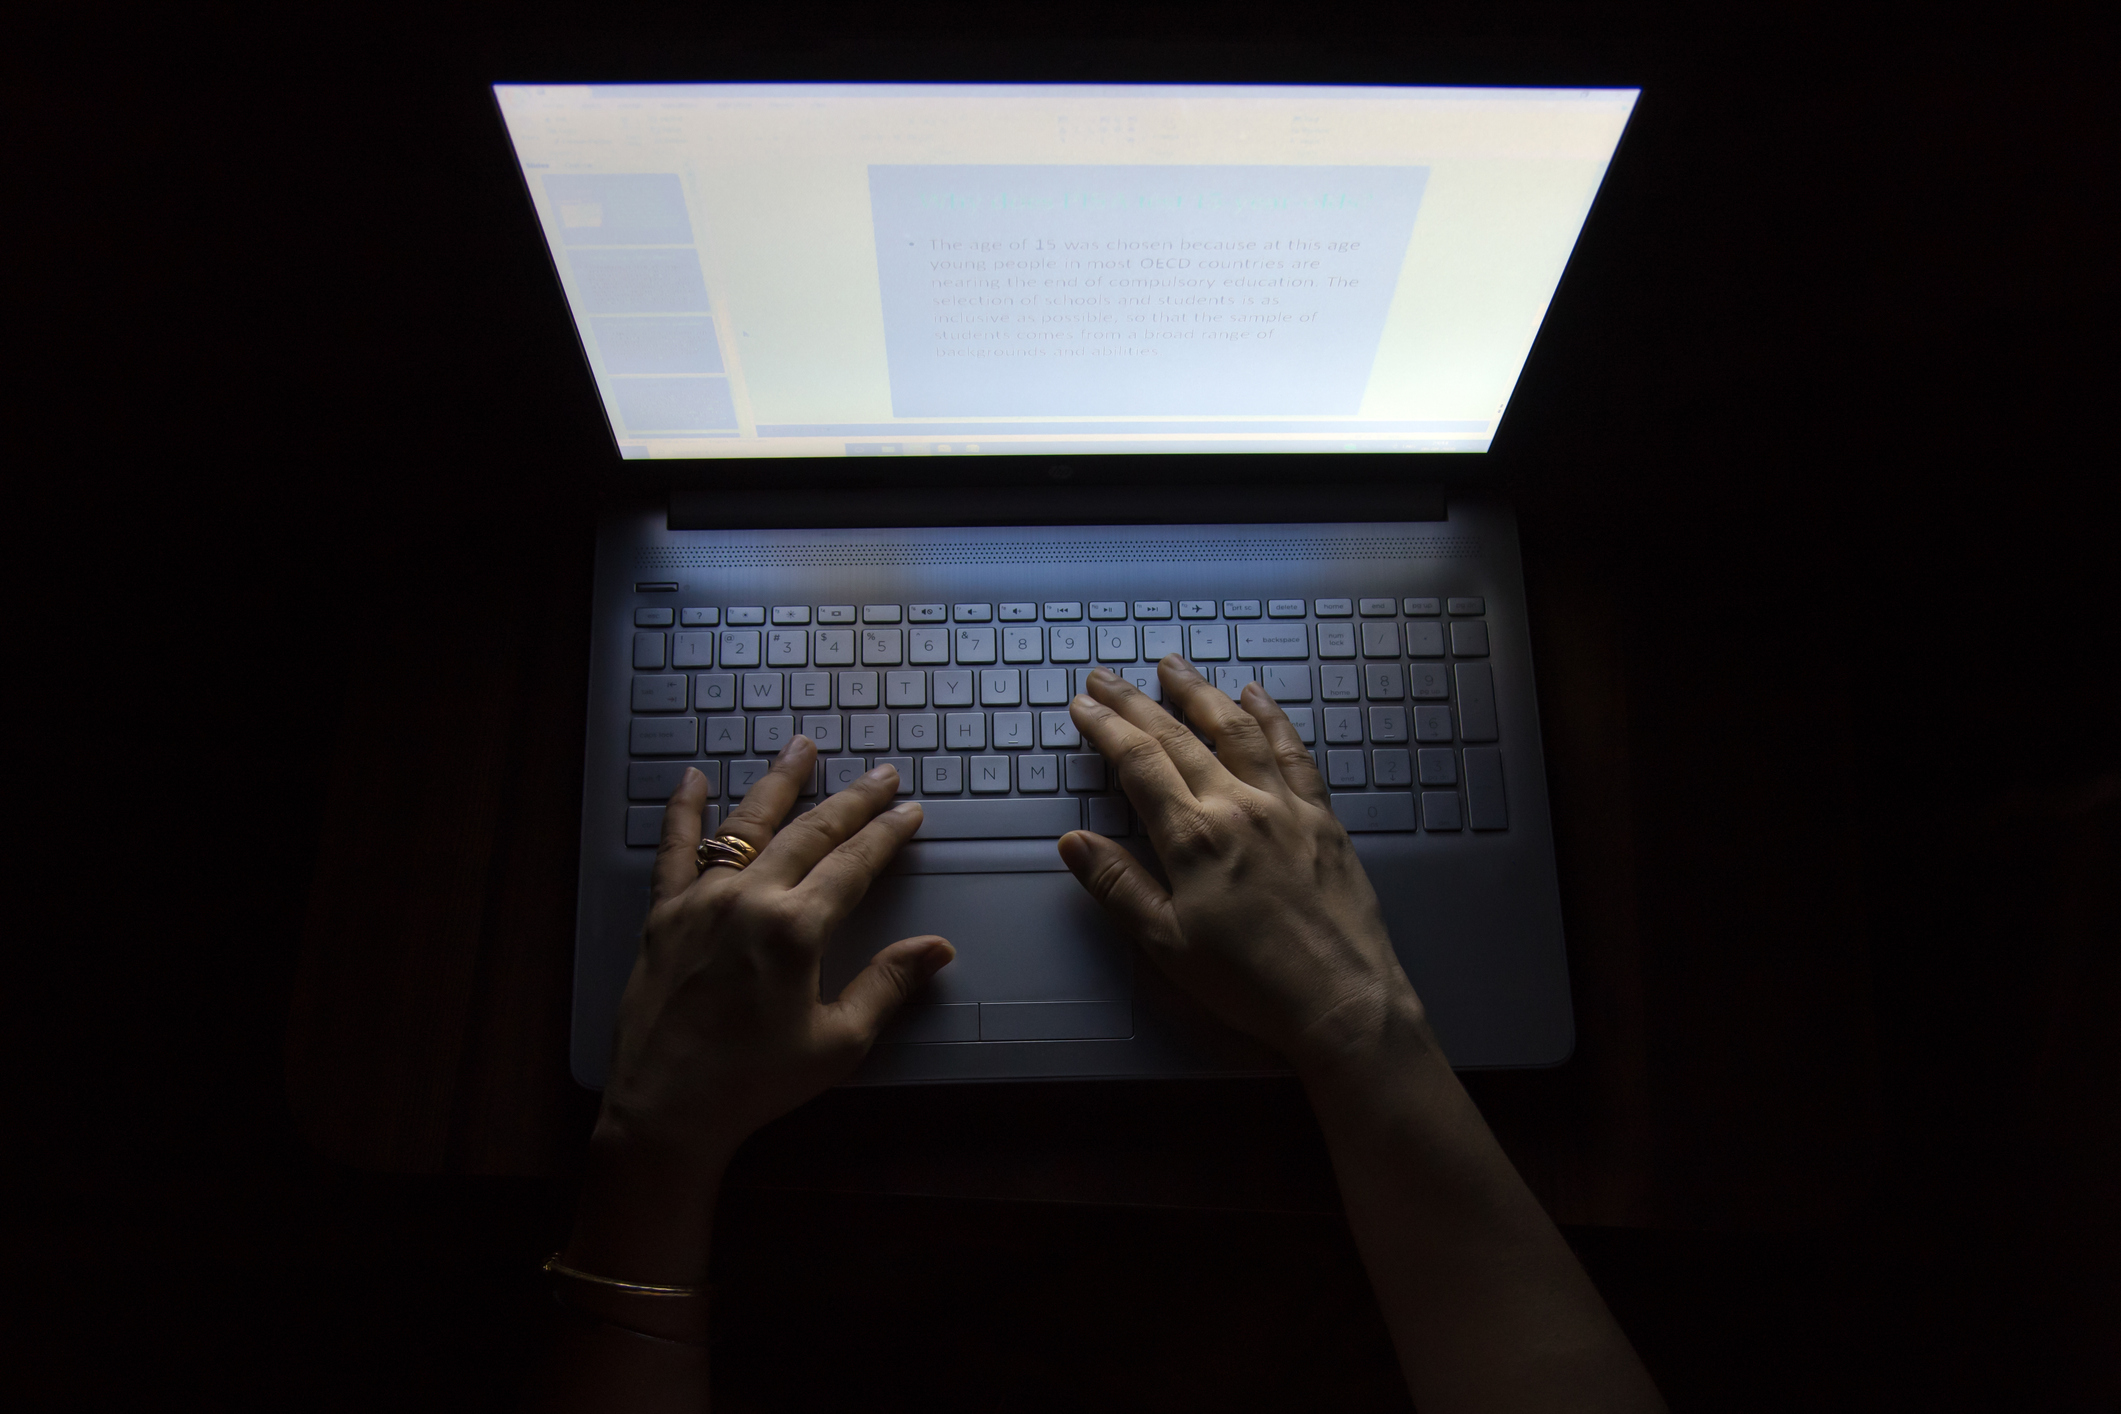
point(1820, 407)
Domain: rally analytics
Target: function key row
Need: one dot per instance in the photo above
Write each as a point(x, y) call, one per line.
point(1071, 611)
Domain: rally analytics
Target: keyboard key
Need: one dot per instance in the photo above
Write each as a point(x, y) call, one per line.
point(659, 693)
point(1014, 729)
point(1336, 641)
point(1024, 643)
point(1301, 719)
point(999, 819)
point(1085, 771)
point(1383, 682)
point(1144, 680)
point(1286, 682)
point(692, 650)
point(1476, 705)
point(652, 618)
point(824, 729)
point(743, 775)
point(748, 618)
point(986, 775)
point(972, 613)
point(1333, 608)
point(787, 648)
point(1196, 608)
point(858, 690)
point(1427, 681)
point(791, 614)
point(770, 733)
point(1019, 613)
point(1428, 606)
point(928, 647)
point(1437, 766)
point(842, 772)
point(1038, 774)
point(1161, 641)
point(809, 692)
point(1152, 608)
point(904, 766)
point(762, 691)
point(1108, 608)
point(1439, 810)
point(952, 688)
point(648, 650)
point(1000, 687)
point(1046, 687)
point(644, 826)
point(1107, 815)
point(699, 618)
point(740, 647)
point(1376, 608)
point(1285, 608)
point(1486, 806)
point(1380, 640)
point(918, 731)
point(1070, 644)
point(965, 731)
point(868, 731)
point(942, 775)
point(1057, 729)
point(1467, 604)
point(1240, 608)
point(1390, 767)
point(835, 648)
point(658, 780)
point(664, 736)
point(1344, 768)
point(906, 689)
point(1272, 640)
point(1064, 612)
point(977, 645)
point(1424, 640)
point(881, 614)
point(1343, 723)
point(1432, 724)
point(1231, 681)
point(926, 613)
point(1115, 644)
point(1375, 811)
point(835, 613)
point(714, 692)
point(1208, 643)
point(726, 735)
point(1388, 724)
point(1339, 682)
point(1470, 639)
point(883, 647)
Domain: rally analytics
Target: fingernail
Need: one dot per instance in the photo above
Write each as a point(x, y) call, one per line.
point(880, 773)
point(908, 808)
point(1103, 672)
point(1083, 698)
point(787, 752)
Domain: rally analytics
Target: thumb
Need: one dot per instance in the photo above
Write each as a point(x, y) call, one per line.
point(1130, 893)
point(892, 976)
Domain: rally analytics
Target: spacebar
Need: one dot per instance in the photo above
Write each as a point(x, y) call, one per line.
point(1013, 819)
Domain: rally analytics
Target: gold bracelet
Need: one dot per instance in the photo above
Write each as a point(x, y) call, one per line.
point(552, 1264)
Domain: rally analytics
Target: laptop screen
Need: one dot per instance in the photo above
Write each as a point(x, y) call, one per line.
point(882, 270)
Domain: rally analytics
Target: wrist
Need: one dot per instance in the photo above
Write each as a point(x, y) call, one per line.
point(646, 1212)
point(1367, 1036)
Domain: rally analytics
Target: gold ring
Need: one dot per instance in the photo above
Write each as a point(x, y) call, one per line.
point(727, 850)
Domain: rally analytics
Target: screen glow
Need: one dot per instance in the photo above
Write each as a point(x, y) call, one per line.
point(762, 270)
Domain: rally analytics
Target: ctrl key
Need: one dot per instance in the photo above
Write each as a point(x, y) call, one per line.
point(1373, 811)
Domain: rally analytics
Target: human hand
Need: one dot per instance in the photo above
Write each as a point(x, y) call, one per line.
point(1269, 919)
point(720, 1028)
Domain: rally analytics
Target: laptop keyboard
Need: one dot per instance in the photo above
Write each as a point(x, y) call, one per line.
point(1395, 696)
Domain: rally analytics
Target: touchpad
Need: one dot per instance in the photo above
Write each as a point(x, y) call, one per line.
point(1037, 959)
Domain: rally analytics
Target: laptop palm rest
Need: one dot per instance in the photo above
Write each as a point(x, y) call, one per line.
point(1037, 960)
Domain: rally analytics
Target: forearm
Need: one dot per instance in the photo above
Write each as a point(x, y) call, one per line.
point(1488, 1307)
point(645, 1216)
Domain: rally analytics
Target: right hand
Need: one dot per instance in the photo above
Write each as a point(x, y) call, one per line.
point(1269, 918)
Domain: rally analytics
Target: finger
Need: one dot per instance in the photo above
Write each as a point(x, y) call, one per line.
point(1146, 772)
point(816, 833)
point(1196, 764)
point(881, 988)
point(766, 803)
point(1239, 743)
point(1139, 905)
point(843, 876)
point(1299, 768)
point(677, 858)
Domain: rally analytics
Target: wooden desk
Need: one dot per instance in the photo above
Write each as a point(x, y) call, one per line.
point(1710, 898)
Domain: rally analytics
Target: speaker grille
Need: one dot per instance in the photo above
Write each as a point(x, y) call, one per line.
point(1058, 552)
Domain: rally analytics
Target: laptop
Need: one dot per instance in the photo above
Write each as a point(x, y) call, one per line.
point(943, 395)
